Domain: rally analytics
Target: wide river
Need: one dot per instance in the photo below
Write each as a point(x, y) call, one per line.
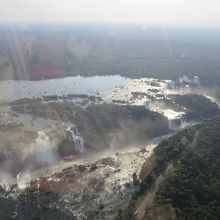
point(11, 90)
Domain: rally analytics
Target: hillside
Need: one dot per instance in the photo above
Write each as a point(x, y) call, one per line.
point(193, 189)
point(181, 178)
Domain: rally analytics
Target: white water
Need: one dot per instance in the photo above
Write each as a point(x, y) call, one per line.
point(74, 136)
point(171, 124)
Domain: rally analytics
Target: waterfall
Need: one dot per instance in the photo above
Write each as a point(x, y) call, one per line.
point(38, 193)
point(171, 124)
point(176, 123)
point(74, 136)
point(182, 120)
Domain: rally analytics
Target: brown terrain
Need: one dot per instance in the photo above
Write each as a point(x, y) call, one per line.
point(149, 199)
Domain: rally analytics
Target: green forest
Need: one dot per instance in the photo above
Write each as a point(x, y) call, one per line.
point(192, 190)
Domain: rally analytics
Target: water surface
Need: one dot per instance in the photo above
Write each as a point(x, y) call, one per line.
point(11, 90)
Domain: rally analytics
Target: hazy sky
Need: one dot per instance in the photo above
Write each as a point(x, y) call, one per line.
point(192, 12)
